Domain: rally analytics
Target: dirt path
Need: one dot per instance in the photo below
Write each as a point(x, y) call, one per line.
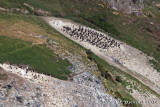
point(130, 60)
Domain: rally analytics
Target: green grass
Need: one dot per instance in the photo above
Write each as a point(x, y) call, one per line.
point(57, 7)
point(101, 21)
point(46, 30)
point(156, 65)
point(90, 13)
point(38, 57)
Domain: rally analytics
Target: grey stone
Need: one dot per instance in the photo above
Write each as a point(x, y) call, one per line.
point(126, 6)
point(19, 99)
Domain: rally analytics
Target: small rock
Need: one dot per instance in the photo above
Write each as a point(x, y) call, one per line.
point(2, 95)
point(152, 23)
point(7, 87)
point(1, 105)
point(24, 11)
point(158, 5)
point(115, 13)
point(70, 68)
point(19, 99)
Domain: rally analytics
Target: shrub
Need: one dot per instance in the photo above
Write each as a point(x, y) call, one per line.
point(118, 79)
point(89, 52)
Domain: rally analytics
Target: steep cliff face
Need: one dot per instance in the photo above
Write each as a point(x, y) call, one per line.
point(126, 6)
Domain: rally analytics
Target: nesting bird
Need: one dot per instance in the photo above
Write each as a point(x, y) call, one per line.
point(95, 38)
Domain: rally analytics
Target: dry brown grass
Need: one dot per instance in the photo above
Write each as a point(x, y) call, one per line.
point(28, 31)
point(21, 30)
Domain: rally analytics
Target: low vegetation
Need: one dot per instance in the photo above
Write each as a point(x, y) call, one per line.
point(38, 57)
point(135, 31)
point(116, 81)
point(109, 79)
point(101, 22)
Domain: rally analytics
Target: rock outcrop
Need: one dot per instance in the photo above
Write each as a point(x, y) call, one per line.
point(24, 87)
point(126, 6)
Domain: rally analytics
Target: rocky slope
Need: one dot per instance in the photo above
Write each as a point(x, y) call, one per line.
point(23, 87)
point(126, 6)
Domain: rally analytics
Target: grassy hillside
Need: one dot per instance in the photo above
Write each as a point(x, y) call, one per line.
point(38, 57)
point(42, 59)
point(57, 7)
point(135, 31)
point(19, 45)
